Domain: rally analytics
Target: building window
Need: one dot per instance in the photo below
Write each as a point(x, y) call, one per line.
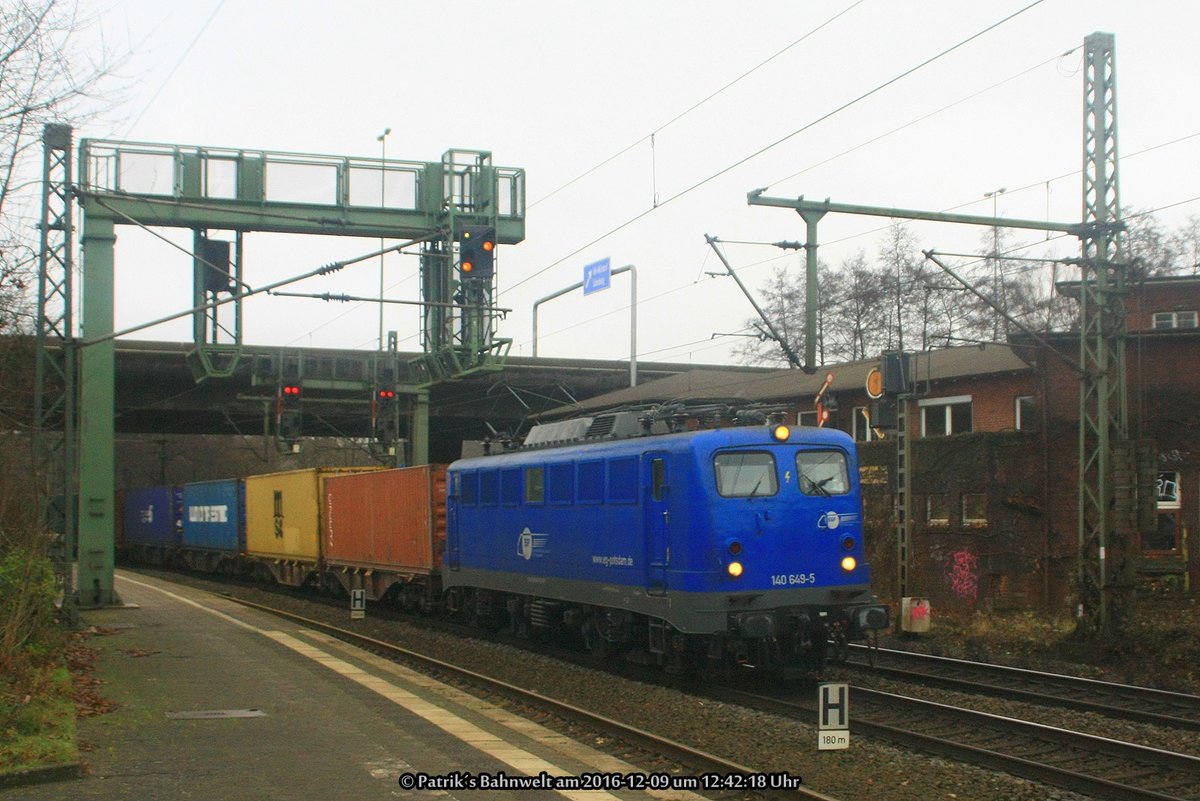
point(1165, 537)
point(1168, 491)
point(807, 419)
point(974, 509)
point(937, 510)
point(1025, 409)
point(942, 417)
point(1175, 319)
point(862, 426)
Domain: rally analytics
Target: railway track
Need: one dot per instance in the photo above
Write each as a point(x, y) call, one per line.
point(716, 777)
point(1083, 763)
point(1127, 702)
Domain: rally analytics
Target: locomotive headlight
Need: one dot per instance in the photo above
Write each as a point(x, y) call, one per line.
point(735, 569)
point(849, 563)
point(781, 433)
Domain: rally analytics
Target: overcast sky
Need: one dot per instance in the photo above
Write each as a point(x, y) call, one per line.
point(557, 88)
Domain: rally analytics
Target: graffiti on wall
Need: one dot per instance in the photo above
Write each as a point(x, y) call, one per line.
point(964, 575)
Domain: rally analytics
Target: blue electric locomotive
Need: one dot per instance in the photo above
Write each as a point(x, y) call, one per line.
point(711, 547)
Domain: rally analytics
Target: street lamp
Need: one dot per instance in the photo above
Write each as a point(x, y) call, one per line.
point(997, 286)
point(382, 140)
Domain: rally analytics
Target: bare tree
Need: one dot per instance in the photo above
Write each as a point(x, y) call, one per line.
point(854, 325)
point(782, 298)
point(49, 72)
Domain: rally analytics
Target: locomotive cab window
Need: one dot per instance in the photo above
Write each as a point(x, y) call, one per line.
point(745, 474)
point(822, 472)
point(658, 479)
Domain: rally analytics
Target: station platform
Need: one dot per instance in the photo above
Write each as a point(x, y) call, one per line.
point(217, 701)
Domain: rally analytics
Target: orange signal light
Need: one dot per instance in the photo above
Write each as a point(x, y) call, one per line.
point(488, 245)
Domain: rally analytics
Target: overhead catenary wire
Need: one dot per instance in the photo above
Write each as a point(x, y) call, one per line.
point(178, 63)
point(650, 136)
point(848, 104)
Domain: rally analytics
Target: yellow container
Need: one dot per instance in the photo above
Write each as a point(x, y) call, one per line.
point(283, 512)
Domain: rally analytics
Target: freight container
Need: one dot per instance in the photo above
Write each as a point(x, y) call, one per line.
point(214, 523)
point(283, 520)
point(118, 529)
point(385, 529)
point(153, 523)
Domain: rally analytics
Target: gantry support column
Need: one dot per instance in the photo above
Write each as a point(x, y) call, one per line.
point(96, 407)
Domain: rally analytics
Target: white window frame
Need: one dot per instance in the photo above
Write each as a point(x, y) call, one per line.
point(930, 520)
point(812, 417)
point(860, 419)
point(1019, 423)
point(943, 404)
point(972, 522)
point(1169, 490)
point(1169, 320)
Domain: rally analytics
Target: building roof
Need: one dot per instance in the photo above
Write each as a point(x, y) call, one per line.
point(788, 385)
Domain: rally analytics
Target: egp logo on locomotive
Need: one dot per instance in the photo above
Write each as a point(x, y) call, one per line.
point(530, 544)
point(831, 520)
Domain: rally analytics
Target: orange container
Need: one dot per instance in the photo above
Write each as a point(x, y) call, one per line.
point(392, 521)
point(283, 514)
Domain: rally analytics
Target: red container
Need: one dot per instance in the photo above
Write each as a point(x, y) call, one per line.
point(392, 521)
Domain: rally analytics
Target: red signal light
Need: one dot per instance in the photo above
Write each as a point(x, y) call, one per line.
point(291, 389)
point(386, 394)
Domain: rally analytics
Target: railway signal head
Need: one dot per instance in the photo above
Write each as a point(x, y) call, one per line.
point(383, 414)
point(289, 396)
point(288, 419)
point(477, 251)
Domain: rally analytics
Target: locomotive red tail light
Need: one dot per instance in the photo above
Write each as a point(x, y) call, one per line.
point(848, 543)
point(735, 547)
point(849, 563)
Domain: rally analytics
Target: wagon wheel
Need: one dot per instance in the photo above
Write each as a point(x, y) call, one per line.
point(872, 647)
point(841, 647)
point(593, 640)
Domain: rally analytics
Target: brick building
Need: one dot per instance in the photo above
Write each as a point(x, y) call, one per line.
point(994, 462)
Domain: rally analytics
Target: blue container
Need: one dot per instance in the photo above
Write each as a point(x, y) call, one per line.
point(214, 515)
point(153, 516)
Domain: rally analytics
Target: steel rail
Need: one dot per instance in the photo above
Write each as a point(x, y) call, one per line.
point(959, 725)
point(1176, 710)
point(668, 748)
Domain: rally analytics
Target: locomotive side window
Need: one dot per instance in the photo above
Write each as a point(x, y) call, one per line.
point(535, 484)
point(560, 483)
point(510, 486)
point(822, 472)
point(489, 487)
point(745, 474)
point(623, 480)
point(591, 482)
point(468, 484)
